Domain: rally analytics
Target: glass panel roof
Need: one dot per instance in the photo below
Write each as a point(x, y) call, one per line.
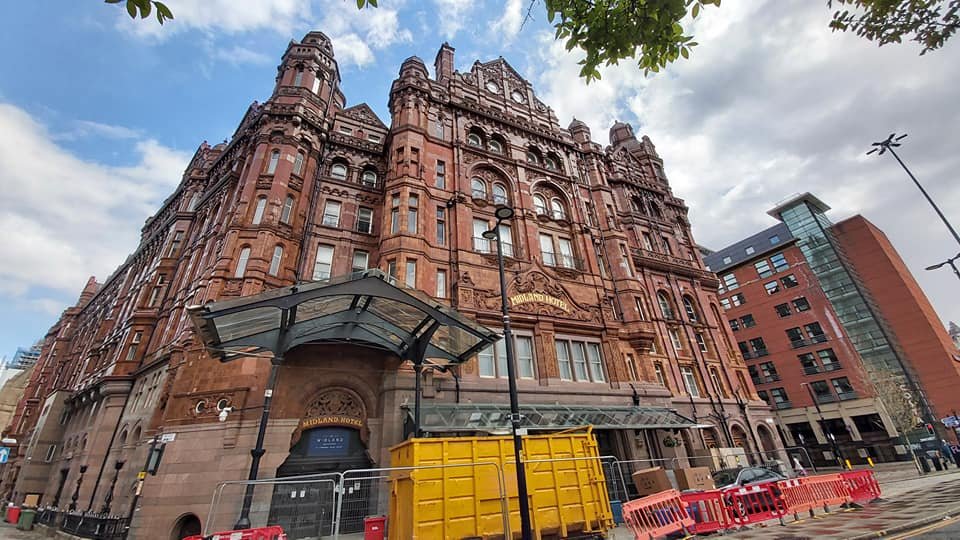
point(311, 309)
point(247, 323)
point(449, 417)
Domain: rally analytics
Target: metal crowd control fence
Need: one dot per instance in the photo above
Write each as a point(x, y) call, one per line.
point(329, 505)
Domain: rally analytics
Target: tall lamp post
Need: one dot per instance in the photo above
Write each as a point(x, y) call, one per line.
point(893, 141)
point(504, 213)
point(823, 425)
point(950, 262)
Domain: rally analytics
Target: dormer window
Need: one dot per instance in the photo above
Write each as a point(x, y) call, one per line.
point(532, 157)
point(474, 139)
point(550, 163)
point(495, 146)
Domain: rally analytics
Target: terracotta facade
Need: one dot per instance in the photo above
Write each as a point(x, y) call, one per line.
point(308, 188)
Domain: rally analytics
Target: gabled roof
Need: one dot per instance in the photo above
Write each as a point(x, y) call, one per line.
point(364, 113)
point(737, 252)
point(502, 65)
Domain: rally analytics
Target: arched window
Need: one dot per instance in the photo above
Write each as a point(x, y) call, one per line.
point(298, 77)
point(298, 163)
point(540, 205)
point(533, 157)
point(550, 162)
point(556, 207)
point(478, 188)
point(275, 261)
point(655, 210)
point(242, 263)
point(274, 159)
point(192, 205)
point(123, 438)
point(369, 178)
point(688, 307)
point(287, 209)
point(338, 171)
point(474, 139)
point(495, 146)
point(499, 194)
point(258, 211)
point(136, 436)
point(665, 307)
point(637, 204)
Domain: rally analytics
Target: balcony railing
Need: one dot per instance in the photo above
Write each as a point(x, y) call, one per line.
point(85, 524)
point(483, 245)
point(755, 354)
point(796, 344)
point(812, 370)
point(562, 261)
point(772, 378)
point(844, 396)
point(783, 405)
point(826, 398)
point(832, 367)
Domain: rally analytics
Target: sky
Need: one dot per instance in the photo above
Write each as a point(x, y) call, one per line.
point(99, 115)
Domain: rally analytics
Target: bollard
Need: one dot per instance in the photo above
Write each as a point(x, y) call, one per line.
point(870, 462)
point(849, 467)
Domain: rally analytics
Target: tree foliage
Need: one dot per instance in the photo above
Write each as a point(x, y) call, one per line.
point(898, 402)
point(652, 31)
point(143, 8)
point(928, 22)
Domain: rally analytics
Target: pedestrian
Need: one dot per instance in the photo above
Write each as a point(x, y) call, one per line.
point(797, 466)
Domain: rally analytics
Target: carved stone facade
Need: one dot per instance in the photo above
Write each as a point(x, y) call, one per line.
point(600, 258)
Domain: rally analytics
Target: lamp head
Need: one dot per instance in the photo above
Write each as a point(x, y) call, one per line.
point(224, 413)
point(503, 212)
point(489, 235)
point(934, 267)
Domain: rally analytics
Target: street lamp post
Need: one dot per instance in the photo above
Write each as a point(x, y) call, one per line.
point(504, 213)
point(823, 425)
point(113, 485)
point(244, 521)
point(893, 141)
point(949, 262)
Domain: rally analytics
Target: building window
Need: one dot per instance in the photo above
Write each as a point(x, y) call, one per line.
point(727, 260)
point(730, 282)
point(478, 189)
point(441, 226)
point(665, 306)
point(748, 321)
point(287, 209)
point(438, 128)
point(690, 381)
point(547, 250)
point(658, 373)
point(783, 310)
point(675, 339)
point(763, 268)
point(411, 276)
point(734, 324)
point(779, 262)
point(324, 262)
point(701, 343)
point(738, 299)
point(373, 138)
point(331, 214)
point(762, 394)
point(134, 343)
point(275, 261)
point(274, 159)
point(688, 307)
point(772, 287)
point(769, 372)
point(392, 269)
point(499, 194)
point(631, 367)
point(567, 260)
point(369, 178)
point(843, 389)
point(640, 312)
point(540, 205)
point(647, 241)
point(51, 451)
point(780, 398)
point(758, 346)
point(338, 171)
point(316, 84)
point(441, 179)
point(365, 220)
point(828, 359)
point(395, 214)
point(666, 245)
point(808, 363)
point(346, 130)
point(725, 303)
point(815, 331)
point(473, 139)
point(361, 261)
point(774, 240)
point(587, 363)
point(298, 77)
point(822, 391)
point(550, 163)
point(801, 304)
point(258, 210)
point(298, 164)
point(175, 243)
point(192, 205)
point(532, 157)
point(749, 250)
point(717, 384)
point(493, 360)
point(796, 337)
point(789, 281)
point(242, 263)
point(413, 203)
point(557, 208)
point(441, 284)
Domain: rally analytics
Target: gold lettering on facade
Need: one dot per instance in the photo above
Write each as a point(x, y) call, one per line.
point(330, 421)
point(530, 297)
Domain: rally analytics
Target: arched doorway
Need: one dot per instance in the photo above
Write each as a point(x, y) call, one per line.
point(186, 525)
point(330, 438)
point(739, 437)
point(766, 441)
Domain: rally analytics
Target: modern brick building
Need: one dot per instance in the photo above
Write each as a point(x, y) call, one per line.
point(821, 312)
point(615, 317)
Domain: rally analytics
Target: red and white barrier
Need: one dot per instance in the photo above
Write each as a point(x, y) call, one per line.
point(274, 532)
point(708, 510)
point(657, 515)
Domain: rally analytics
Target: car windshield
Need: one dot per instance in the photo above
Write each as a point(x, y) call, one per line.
point(725, 477)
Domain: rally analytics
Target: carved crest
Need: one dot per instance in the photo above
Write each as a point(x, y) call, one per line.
point(333, 407)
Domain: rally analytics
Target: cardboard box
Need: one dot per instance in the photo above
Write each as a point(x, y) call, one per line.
point(698, 478)
point(650, 481)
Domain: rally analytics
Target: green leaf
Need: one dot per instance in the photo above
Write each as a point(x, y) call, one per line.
point(360, 4)
point(132, 9)
point(695, 11)
point(162, 9)
point(684, 52)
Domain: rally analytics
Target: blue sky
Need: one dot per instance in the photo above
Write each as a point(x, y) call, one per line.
point(99, 114)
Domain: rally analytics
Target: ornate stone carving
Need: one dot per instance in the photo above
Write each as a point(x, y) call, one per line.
point(335, 406)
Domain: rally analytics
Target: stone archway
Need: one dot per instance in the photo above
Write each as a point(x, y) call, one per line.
point(766, 440)
point(739, 437)
point(186, 525)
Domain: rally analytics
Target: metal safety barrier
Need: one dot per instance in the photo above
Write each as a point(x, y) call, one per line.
point(862, 485)
point(657, 515)
point(754, 504)
point(708, 510)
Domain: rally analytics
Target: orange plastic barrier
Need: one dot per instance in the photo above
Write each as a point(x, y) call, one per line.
point(263, 533)
point(753, 504)
point(797, 497)
point(657, 515)
point(861, 485)
point(708, 510)
point(827, 489)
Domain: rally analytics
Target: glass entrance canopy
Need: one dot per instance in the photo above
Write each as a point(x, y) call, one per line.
point(363, 309)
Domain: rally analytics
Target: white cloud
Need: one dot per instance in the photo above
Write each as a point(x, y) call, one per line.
point(74, 218)
point(352, 49)
point(227, 16)
point(87, 127)
point(237, 55)
point(508, 25)
point(452, 16)
point(356, 34)
point(771, 103)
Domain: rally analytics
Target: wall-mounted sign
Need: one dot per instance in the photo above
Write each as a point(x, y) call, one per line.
point(330, 420)
point(531, 297)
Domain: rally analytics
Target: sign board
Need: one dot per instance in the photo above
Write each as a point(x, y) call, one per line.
point(538, 297)
point(951, 421)
point(168, 437)
point(4, 454)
